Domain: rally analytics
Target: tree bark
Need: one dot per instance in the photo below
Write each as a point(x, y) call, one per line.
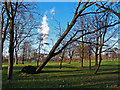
point(16, 57)
point(89, 62)
point(11, 49)
point(100, 57)
point(100, 51)
point(23, 55)
point(1, 49)
point(60, 63)
point(39, 56)
point(23, 60)
point(1, 40)
point(37, 62)
point(39, 69)
point(71, 55)
point(62, 59)
point(96, 52)
point(70, 60)
point(82, 57)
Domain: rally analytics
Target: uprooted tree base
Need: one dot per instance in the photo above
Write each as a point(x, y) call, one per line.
point(29, 70)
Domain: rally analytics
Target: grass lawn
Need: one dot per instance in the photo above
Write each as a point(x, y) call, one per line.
point(70, 76)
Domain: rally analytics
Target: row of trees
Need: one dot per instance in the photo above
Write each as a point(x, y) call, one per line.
point(93, 24)
point(17, 24)
point(92, 28)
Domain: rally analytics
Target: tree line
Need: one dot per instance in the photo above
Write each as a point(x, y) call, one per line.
point(91, 28)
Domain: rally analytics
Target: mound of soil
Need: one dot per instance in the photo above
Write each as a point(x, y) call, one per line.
point(29, 69)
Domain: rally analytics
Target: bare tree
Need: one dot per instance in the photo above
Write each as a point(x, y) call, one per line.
point(53, 51)
point(21, 33)
point(103, 40)
point(62, 57)
point(112, 7)
point(4, 26)
point(11, 9)
point(71, 50)
point(40, 39)
point(89, 57)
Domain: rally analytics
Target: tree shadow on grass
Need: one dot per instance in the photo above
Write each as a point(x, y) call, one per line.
point(116, 72)
point(54, 71)
point(14, 68)
point(55, 66)
point(107, 67)
point(111, 65)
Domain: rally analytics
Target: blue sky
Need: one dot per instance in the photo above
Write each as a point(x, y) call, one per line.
point(62, 12)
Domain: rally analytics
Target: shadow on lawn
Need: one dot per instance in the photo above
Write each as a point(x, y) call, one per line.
point(14, 68)
point(116, 72)
point(57, 66)
point(54, 71)
point(103, 68)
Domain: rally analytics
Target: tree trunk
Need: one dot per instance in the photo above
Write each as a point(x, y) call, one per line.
point(70, 60)
point(38, 63)
point(90, 56)
point(38, 57)
point(100, 57)
point(71, 55)
point(96, 53)
point(16, 57)
point(96, 58)
point(23, 60)
point(23, 55)
point(52, 52)
point(1, 49)
point(11, 50)
point(39, 69)
point(1, 40)
point(82, 57)
point(60, 63)
point(89, 62)
point(61, 60)
point(82, 62)
point(98, 64)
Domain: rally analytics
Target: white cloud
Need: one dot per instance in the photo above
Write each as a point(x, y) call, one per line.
point(44, 29)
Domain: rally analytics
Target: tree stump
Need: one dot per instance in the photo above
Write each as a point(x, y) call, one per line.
point(29, 69)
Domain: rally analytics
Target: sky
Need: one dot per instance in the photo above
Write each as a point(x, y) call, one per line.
point(63, 12)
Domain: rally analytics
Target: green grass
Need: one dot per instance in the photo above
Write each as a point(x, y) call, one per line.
point(70, 76)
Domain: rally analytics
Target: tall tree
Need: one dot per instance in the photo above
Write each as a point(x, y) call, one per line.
point(11, 9)
point(71, 50)
point(78, 12)
point(62, 57)
point(40, 39)
point(4, 25)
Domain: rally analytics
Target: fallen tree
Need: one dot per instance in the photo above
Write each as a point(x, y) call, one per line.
point(73, 38)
